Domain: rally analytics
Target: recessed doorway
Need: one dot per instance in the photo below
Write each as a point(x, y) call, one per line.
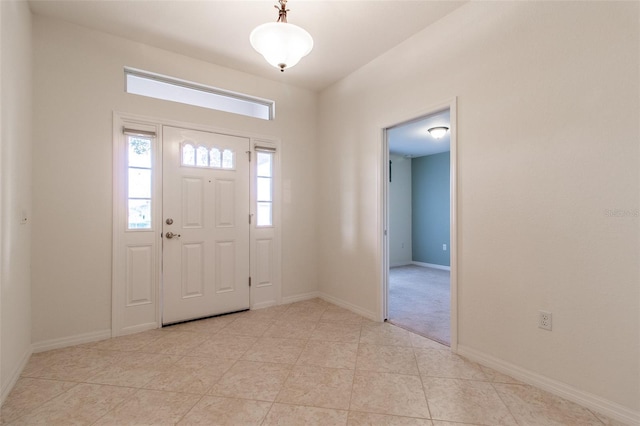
point(418, 211)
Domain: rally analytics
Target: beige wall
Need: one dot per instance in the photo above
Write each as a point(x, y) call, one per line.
point(400, 252)
point(548, 145)
point(15, 180)
point(548, 134)
point(78, 83)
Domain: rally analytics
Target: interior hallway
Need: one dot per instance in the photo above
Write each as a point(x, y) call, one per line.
point(307, 363)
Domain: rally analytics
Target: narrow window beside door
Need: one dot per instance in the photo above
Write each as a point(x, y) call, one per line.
point(264, 188)
point(139, 182)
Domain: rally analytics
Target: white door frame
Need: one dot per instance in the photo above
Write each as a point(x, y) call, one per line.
point(451, 104)
point(127, 318)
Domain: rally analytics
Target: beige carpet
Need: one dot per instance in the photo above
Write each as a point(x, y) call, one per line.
point(419, 301)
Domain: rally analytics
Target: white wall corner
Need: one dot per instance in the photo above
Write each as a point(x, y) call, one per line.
point(349, 306)
point(8, 384)
point(585, 399)
point(63, 342)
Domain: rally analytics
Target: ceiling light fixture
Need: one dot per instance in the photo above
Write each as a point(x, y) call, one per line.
point(438, 131)
point(282, 44)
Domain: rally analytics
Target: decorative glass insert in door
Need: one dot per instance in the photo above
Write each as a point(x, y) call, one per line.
point(194, 155)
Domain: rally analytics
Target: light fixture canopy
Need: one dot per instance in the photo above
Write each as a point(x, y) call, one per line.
point(282, 44)
point(438, 131)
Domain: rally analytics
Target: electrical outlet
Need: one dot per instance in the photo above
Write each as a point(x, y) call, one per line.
point(444, 247)
point(544, 320)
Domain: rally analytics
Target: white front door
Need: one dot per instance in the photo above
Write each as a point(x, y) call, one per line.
point(206, 205)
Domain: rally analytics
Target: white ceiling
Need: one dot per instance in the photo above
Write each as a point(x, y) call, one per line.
point(347, 34)
point(412, 139)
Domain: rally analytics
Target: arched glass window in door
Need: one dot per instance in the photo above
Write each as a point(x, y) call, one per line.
point(202, 156)
point(227, 159)
point(214, 158)
point(209, 157)
point(188, 155)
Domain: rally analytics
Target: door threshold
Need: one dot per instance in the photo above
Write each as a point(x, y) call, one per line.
point(202, 318)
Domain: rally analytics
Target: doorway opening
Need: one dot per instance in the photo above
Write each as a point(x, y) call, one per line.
point(419, 210)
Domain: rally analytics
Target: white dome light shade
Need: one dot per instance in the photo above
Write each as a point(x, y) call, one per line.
point(282, 44)
point(438, 132)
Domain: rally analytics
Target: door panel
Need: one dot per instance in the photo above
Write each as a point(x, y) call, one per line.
point(206, 196)
point(192, 270)
point(192, 202)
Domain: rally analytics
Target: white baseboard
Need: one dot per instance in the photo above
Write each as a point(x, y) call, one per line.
point(353, 308)
point(7, 387)
point(300, 297)
point(137, 329)
point(63, 342)
point(585, 399)
point(432, 265)
point(263, 305)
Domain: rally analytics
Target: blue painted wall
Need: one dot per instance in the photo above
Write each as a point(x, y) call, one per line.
point(430, 203)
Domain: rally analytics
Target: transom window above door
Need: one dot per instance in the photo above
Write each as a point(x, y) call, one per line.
point(210, 157)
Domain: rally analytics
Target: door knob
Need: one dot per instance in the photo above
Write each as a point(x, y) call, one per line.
point(171, 235)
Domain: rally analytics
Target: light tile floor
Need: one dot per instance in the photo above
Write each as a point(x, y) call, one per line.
point(308, 363)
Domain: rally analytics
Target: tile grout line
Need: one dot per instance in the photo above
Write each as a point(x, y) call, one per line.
point(264, 419)
point(289, 373)
point(190, 409)
point(596, 416)
point(44, 402)
point(353, 381)
point(493, 385)
point(424, 393)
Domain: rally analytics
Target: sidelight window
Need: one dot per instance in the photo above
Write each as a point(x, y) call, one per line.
point(139, 179)
point(264, 187)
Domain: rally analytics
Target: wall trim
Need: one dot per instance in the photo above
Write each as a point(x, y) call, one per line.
point(349, 306)
point(585, 399)
point(431, 265)
point(300, 297)
point(263, 305)
point(138, 328)
point(63, 342)
point(15, 375)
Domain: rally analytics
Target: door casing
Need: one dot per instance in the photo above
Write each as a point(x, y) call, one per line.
point(383, 187)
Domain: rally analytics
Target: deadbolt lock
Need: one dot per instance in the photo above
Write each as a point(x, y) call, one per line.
point(169, 221)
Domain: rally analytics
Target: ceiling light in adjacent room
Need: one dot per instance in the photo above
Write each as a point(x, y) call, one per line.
point(438, 132)
point(282, 44)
